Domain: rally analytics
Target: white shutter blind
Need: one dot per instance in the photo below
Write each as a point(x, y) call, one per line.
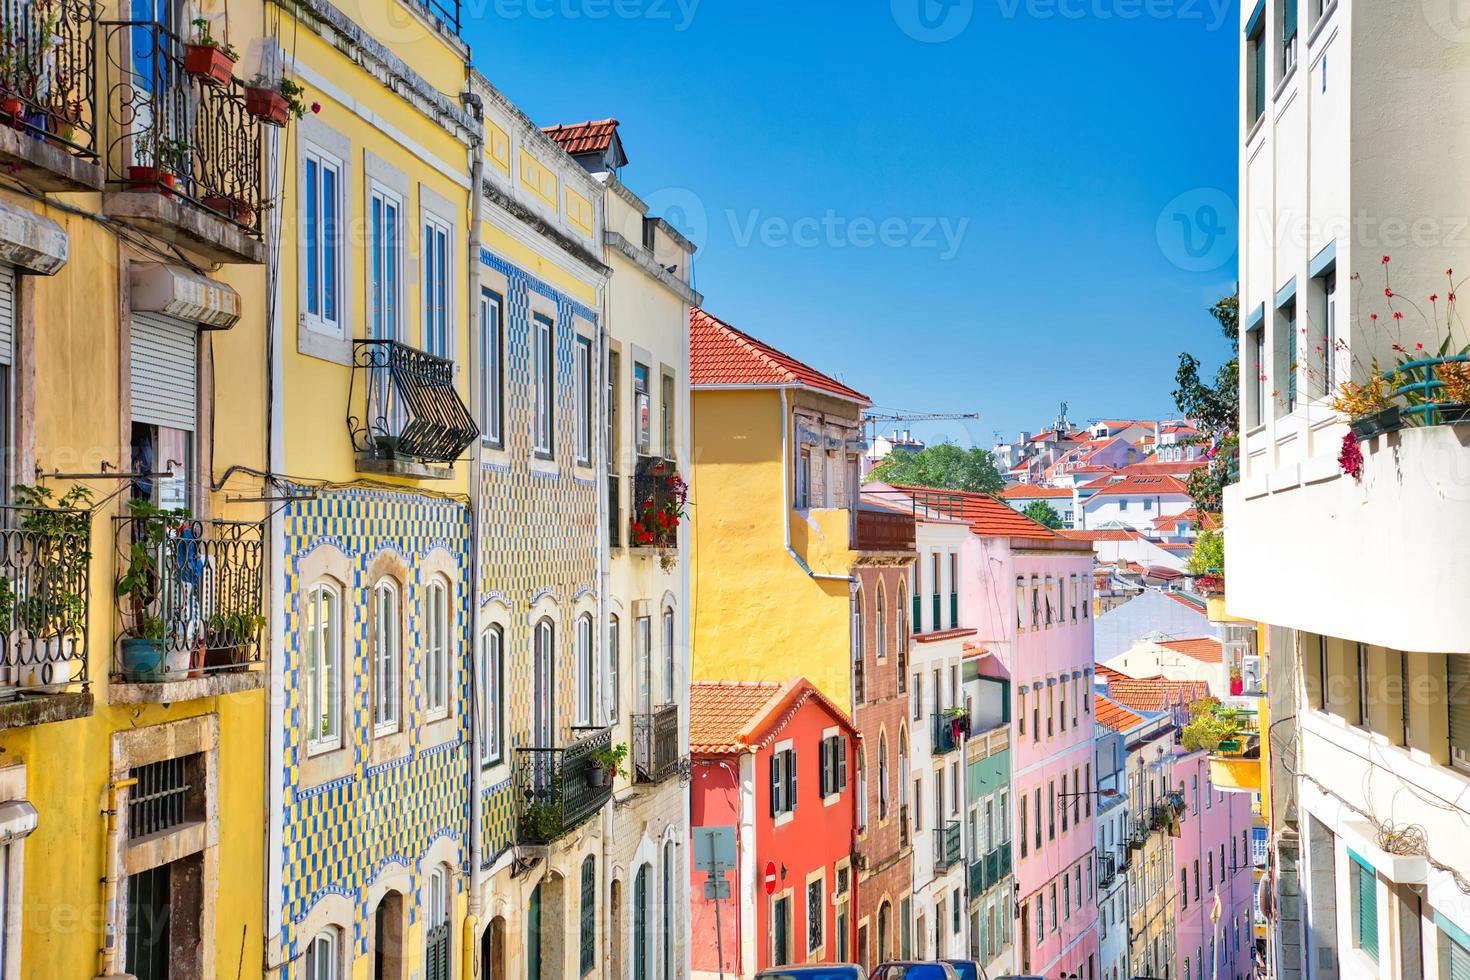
point(165, 371)
point(1459, 961)
point(1457, 674)
point(7, 314)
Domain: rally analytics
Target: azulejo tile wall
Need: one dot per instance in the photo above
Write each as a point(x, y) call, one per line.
point(340, 834)
point(539, 524)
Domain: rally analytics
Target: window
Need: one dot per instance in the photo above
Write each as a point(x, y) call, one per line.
point(1326, 290)
point(833, 765)
point(1365, 679)
point(670, 660)
point(1365, 906)
point(1255, 54)
point(804, 480)
point(438, 281)
point(1020, 603)
point(588, 926)
point(1051, 810)
point(671, 439)
point(1035, 603)
point(1073, 594)
point(438, 629)
point(1285, 354)
point(583, 368)
point(322, 957)
point(880, 627)
point(902, 638)
point(1021, 713)
point(321, 231)
point(1037, 809)
point(586, 674)
point(783, 781)
point(643, 664)
point(492, 642)
point(492, 385)
point(1288, 36)
point(954, 590)
point(916, 697)
point(883, 776)
point(814, 910)
point(436, 927)
point(322, 626)
point(642, 409)
point(543, 372)
point(1210, 871)
point(1024, 835)
point(1256, 376)
point(384, 262)
point(543, 706)
point(668, 911)
point(1087, 771)
point(387, 665)
point(614, 672)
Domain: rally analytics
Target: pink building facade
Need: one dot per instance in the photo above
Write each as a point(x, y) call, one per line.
point(1213, 877)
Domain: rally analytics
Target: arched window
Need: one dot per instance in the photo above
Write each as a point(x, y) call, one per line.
point(642, 914)
point(614, 670)
point(543, 709)
point(903, 638)
point(883, 777)
point(322, 630)
point(885, 913)
point(437, 937)
point(862, 788)
point(323, 959)
point(586, 674)
point(491, 696)
point(667, 952)
point(670, 661)
point(437, 633)
point(903, 767)
point(588, 925)
point(880, 627)
point(387, 659)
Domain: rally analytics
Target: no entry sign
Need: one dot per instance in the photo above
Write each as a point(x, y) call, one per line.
point(770, 878)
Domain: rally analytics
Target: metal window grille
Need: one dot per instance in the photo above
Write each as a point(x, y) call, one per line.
point(159, 800)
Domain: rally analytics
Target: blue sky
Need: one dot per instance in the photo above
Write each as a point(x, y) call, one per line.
point(1032, 210)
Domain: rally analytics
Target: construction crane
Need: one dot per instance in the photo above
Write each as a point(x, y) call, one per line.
point(874, 418)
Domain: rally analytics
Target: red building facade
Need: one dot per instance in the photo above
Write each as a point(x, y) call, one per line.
point(777, 763)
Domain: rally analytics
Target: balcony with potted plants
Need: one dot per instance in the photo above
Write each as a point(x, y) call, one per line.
point(1231, 735)
point(656, 744)
point(48, 94)
point(659, 495)
point(948, 729)
point(45, 558)
point(405, 417)
point(557, 789)
point(189, 606)
point(185, 150)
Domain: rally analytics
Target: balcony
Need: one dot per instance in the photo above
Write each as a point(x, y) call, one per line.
point(946, 846)
point(988, 871)
point(659, 494)
point(45, 556)
point(882, 530)
point(404, 414)
point(948, 731)
point(190, 607)
point(1235, 763)
point(903, 825)
point(184, 157)
point(614, 510)
point(1107, 870)
point(48, 83)
point(559, 789)
point(656, 744)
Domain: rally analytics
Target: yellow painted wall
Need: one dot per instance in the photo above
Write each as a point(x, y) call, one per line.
point(757, 614)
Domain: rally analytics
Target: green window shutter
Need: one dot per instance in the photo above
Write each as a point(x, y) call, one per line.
point(1459, 958)
point(1288, 20)
point(776, 785)
point(918, 608)
point(841, 751)
point(824, 767)
point(1365, 898)
point(791, 780)
point(640, 925)
point(533, 936)
point(589, 916)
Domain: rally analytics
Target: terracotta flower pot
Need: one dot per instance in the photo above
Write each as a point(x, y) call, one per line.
point(267, 105)
point(208, 64)
point(152, 179)
point(233, 208)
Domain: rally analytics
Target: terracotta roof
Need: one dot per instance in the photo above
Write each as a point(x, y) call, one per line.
point(1159, 571)
point(585, 137)
point(1206, 649)
point(1154, 467)
point(1108, 673)
point(987, 516)
point(1155, 693)
point(1112, 715)
point(942, 635)
point(737, 716)
point(1185, 600)
point(1160, 483)
point(719, 354)
point(1104, 534)
point(1027, 492)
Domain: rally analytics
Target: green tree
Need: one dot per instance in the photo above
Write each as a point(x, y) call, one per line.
point(945, 467)
point(1042, 513)
point(1209, 554)
point(1215, 407)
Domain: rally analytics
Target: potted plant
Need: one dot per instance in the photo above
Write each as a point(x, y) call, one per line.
point(208, 59)
point(50, 611)
point(656, 520)
point(607, 763)
point(168, 158)
point(1454, 381)
point(233, 207)
point(142, 650)
point(1368, 405)
point(274, 104)
point(62, 121)
point(227, 638)
point(541, 821)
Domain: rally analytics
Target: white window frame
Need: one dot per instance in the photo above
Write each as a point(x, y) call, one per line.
point(491, 661)
point(586, 671)
point(437, 270)
point(671, 675)
point(323, 958)
point(543, 374)
point(318, 321)
point(492, 381)
point(438, 644)
point(614, 674)
point(387, 654)
point(385, 296)
point(323, 679)
point(584, 384)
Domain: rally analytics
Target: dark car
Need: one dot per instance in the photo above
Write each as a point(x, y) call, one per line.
point(813, 971)
point(914, 971)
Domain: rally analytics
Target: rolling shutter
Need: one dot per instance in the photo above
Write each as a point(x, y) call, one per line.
point(7, 314)
point(1457, 695)
point(1365, 885)
point(1459, 961)
point(165, 371)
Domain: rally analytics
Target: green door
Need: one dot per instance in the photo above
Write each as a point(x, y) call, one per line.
point(533, 936)
point(781, 933)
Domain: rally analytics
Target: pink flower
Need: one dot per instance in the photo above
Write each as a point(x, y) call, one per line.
point(1419, 346)
point(1350, 458)
point(1385, 260)
point(1388, 293)
point(1398, 316)
point(316, 109)
point(1433, 297)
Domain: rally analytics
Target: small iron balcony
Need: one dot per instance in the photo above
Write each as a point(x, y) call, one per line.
point(946, 846)
point(404, 415)
point(558, 789)
point(948, 731)
point(48, 94)
point(656, 744)
point(45, 558)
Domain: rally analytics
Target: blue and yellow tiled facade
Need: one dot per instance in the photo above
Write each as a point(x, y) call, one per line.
point(339, 834)
point(538, 525)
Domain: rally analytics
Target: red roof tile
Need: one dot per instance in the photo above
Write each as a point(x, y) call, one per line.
point(1184, 600)
point(1103, 534)
point(1204, 648)
point(1160, 483)
point(738, 716)
point(986, 515)
point(1155, 467)
point(586, 137)
point(1027, 492)
point(719, 354)
point(1114, 716)
point(1155, 693)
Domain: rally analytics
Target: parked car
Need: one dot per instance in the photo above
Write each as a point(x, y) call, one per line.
point(914, 971)
point(813, 971)
point(968, 969)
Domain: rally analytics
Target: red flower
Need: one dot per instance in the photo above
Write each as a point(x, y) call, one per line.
point(637, 527)
point(1398, 316)
point(316, 108)
point(1385, 260)
point(1419, 346)
point(1388, 292)
point(1433, 297)
point(1351, 456)
point(1372, 316)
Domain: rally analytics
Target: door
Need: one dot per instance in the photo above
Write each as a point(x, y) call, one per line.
point(641, 965)
point(781, 932)
point(533, 936)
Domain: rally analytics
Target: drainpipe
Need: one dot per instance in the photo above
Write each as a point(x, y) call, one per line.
point(472, 917)
point(111, 879)
point(786, 499)
point(604, 578)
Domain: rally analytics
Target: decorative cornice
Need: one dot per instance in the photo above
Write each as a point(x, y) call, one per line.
point(544, 228)
point(641, 258)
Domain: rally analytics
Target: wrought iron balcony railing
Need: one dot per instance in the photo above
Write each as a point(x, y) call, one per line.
point(656, 744)
point(45, 557)
point(402, 405)
point(946, 846)
point(189, 597)
point(615, 510)
point(1107, 869)
point(988, 871)
point(658, 492)
point(903, 825)
point(557, 789)
point(48, 71)
point(186, 136)
point(947, 731)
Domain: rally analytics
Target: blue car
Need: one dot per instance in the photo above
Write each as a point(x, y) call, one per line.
point(813, 971)
point(914, 971)
point(968, 969)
